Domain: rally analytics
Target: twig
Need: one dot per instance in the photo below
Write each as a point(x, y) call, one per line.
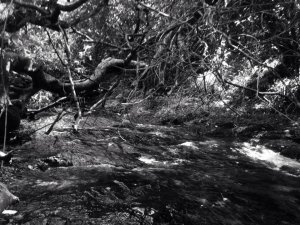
point(158, 12)
point(104, 98)
point(82, 34)
point(229, 107)
point(254, 90)
point(120, 135)
point(58, 117)
point(280, 113)
point(68, 54)
point(53, 46)
point(34, 112)
point(42, 127)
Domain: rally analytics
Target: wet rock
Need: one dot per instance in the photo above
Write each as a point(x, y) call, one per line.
point(122, 190)
point(102, 199)
point(172, 121)
point(291, 170)
point(251, 130)
point(286, 147)
point(6, 197)
point(221, 132)
point(56, 161)
point(292, 152)
point(273, 134)
point(201, 121)
point(293, 134)
point(53, 161)
point(125, 123)
point(42, 166)
point(226, 125)
point(6, 156)
point(55, 221)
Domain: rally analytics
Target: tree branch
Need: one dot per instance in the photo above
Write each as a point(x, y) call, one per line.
point(254, 90)
point(41, 17)
point(73, 6)
point(68, 54)
point(105, 72)
point(30, 6)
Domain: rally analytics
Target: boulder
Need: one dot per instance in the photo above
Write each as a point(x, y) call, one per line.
point(6, 197)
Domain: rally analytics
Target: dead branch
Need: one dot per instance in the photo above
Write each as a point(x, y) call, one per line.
point(55, 49)
point(158, 12)
point(254, 90)
point(72, 6)
point(102, 101)
point(59, 101)
point(58, 118)
point(68, 54)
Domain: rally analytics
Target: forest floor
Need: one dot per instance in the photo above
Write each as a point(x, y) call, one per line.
point(118, 171)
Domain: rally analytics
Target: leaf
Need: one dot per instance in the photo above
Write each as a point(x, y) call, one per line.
point(5, 10)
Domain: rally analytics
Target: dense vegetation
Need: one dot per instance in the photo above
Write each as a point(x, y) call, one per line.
point(234, 51)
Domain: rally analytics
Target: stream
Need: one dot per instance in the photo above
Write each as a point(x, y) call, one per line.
point(148, 174)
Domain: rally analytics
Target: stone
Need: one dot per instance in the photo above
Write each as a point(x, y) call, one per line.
point(6, 197)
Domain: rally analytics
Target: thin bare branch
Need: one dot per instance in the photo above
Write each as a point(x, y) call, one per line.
point(68, 54)
point(101, 102)
point(59, 101)
point(58, 118)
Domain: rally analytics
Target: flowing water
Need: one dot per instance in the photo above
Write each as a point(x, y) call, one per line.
point(148, 174)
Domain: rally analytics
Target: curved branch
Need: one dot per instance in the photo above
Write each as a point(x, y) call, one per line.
point(107, 70)
point(41, 17)
point(254, 90)
point(71, 7)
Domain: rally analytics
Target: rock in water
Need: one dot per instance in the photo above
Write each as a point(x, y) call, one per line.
point(6, 198)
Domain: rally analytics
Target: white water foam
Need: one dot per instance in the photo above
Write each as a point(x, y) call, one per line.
point(260, 152)
point(189, 144)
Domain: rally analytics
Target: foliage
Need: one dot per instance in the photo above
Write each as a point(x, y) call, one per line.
point(199, 48)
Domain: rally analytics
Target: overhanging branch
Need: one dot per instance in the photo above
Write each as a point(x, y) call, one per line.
point(105, 72)
point(73, 6)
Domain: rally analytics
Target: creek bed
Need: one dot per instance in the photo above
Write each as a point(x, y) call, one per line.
point(150, 174)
